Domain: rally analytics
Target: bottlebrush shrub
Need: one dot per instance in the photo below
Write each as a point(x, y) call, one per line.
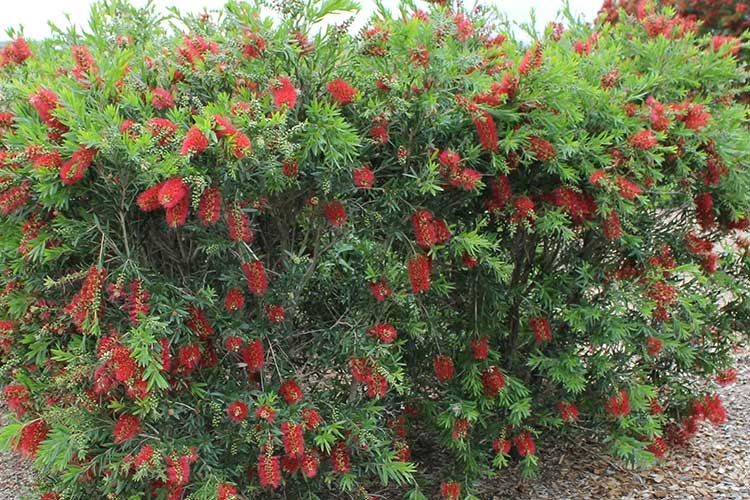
point(722, 17)
point(247, 258)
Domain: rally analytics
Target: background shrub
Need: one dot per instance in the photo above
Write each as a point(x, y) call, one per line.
point(246, 257)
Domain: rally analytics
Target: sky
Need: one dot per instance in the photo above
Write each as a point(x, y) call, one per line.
point(34, 14)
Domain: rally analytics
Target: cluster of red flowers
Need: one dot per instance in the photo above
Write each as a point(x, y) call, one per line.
point(380, 290)
point(366, 372)
point(85, 305)
point(568, 411)
point(17, 398)
point(284, 93)
point(542, 149)
point(618, 405)
point(419, 268)
point(363, 177)
point(443, 366)
point(15, 52)
point(463, 178)
point(384, 332)
point(195, 48)
point(136, 301)
point(335, 213)
point(46, 102)
point(239, 141)
point(126, 428)
point(73, 170)
point(14, 197)
point(541, 329)
point(340, 457)
point(255, 275)
point(525, 444)
point(450, 490)
point(493, 381)
point(428, 230)
point(341, 91)
point(237, 411)
point(579, 206)
point(85, 67)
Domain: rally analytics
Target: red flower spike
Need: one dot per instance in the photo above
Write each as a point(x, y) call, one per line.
point(255, 275)
point(340, 457)
point(172, 192)
point(269, 471)
point(450, 490)
point(290, 392)
point(493, 381)
point(293, 439)
point(341, 92)
point(195, 142)
point(384, 332)
point(363, 177)
point(284, 93)
point(234, 300)
point(126, 428)
point(237, 411)
point(443, 366)
point(209, 207)
point(253, 356)
point(419, 268)
point(335, 213)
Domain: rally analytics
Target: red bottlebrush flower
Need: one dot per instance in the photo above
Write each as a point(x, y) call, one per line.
point(523, 209)
point(645, 139)
point(266, 413)
point(224, 127)
point(85, 65)
point(628, 189)
point(335, 213)
point(293, 438)
point(420, 56)
point(653, 346)
point(162, 130)
point(501, 445)
point(486, 130)
point(541, 328)
point(443, 366)
point(254, 45)
point(568, 411)
point(290, 464)
point(290, 169)
point(450, 490)
point(704, 206)
point(361, 369)
point(178, 470)
point(172, 191)
point(469, 261)
point(480, 348)
point(596, 177)
point(715, 412)
point(460, 429)
point(580, 207)
point(136, 302)
point(658, 447)
point(31, 436)
point(719, 41)
point(253, 356)
point(123, 364)
point(74, 169)
point(464, 28)
point(693, 115)
point(15, 52)
point(450, 161)
point(363, 177)
point(87, 301)
point(255, 275)
point(143, 457)
point(238, 223)
point(290, 392)
point(241, 145)
point(384, 332)
point(532, 59)
point(17, 398)
point(126, 428)
point(310, 463)
point(237, 411)
point(188, 357)
point(618, 405)
point(379, 134)
point(726, 377)
point(610, 78)
point(50, 495)
point(198, 322)
point(6, 119)
point(493, 381)
point(611, 226)
point(14, 198)
point(467, 179)
point(234, 300)
point(341, 91)
point(233, 343)
point(177, 215)
point(541, 149)
point(226, 491)
point(284, 93)
point(655, 408)
point(311, 418)
point(209, 207)
point(161, 98)
point(525, 444)
point(419, 268)
point(195, 142)
point(422, 222)
point(340, 457)
point(275, 314)
point(380, 290)
point(377, 385)
point(659, 120)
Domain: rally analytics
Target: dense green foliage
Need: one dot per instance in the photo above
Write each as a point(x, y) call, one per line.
point(245, 256)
